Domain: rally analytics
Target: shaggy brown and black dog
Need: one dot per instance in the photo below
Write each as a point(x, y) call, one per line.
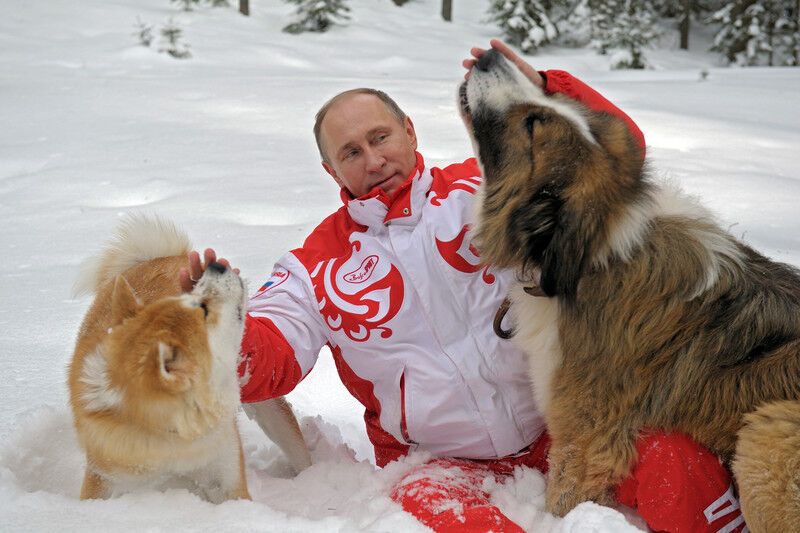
point(651, 315)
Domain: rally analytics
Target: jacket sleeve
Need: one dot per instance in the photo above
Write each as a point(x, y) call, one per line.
point(283, 334)
point(558, 81)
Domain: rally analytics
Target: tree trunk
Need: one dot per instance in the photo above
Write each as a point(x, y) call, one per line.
point(447, 10)
point(686, 7)
point(244, 7)
point(796, 33)
point(770, 39)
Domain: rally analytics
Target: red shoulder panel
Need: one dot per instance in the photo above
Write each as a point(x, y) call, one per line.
point(562, 82)
point(464, 176)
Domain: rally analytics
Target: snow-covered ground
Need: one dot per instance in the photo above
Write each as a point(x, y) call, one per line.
point(93, 126)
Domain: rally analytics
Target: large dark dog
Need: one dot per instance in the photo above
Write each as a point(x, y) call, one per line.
point(652, 316)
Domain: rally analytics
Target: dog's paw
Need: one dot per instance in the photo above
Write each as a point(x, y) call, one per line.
point(562, 497)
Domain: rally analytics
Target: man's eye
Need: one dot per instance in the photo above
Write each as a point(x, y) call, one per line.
point(381, 138)
point(351, 154)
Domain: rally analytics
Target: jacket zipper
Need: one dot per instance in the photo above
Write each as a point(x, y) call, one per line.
point(403, 426)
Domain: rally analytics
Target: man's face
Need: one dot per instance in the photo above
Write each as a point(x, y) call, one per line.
point(366, 145)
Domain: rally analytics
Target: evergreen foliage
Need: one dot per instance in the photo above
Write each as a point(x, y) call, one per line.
point(171, 41)
point(525, 23)
point(317, 15)
point(574, 22)
point(676, 8)
point(623, 29)
point(758, 32)
point(186, 5)
point(684, 11)
point(143, 33)
point(751, 32)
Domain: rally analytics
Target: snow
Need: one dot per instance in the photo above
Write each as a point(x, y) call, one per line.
point(95, 126)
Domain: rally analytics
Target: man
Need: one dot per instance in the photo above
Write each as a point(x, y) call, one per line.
point(391, 283)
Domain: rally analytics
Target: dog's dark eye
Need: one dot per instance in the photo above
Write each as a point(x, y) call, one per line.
point(205, 309)
point(530, 120)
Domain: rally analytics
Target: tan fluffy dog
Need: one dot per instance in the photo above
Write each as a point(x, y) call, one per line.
point(767, 464)
point(153, 382)
point(649, 315)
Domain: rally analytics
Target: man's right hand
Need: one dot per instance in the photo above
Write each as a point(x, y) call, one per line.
point(509, 54)
point(188, 277)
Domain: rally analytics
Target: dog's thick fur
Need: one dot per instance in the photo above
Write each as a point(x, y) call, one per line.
point(153, 383)
point(654, 316)
point(768, 464)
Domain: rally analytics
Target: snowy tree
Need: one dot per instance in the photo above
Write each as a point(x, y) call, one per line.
point(731, 39)
point(623, 29)
point(573, 19)
point(186, 5)
point(758, 32)
point(783, 39)
point(171, 41)
point(525, 23)
point(144, 32)
point(788, 27)
point(683, 11)
point(317, 15)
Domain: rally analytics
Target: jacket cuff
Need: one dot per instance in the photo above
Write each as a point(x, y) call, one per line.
point(268, 367)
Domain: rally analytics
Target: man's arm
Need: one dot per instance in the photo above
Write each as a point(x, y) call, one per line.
point(558, 81)
point(282, 336)
point(268, 367)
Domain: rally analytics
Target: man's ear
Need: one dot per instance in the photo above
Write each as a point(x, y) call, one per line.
point(411, 132)
point(329, 169)
point(124, 303)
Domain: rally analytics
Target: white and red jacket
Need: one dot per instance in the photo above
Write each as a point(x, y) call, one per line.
point(397, 291)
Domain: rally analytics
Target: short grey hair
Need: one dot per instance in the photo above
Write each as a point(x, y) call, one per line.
point(390, 104)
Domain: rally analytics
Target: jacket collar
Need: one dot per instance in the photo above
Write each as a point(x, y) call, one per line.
point(376, 209)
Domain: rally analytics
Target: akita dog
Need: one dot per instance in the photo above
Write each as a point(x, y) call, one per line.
point(638, 311)
point(153, 382)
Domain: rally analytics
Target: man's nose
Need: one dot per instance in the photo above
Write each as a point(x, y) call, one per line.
point(375, 160)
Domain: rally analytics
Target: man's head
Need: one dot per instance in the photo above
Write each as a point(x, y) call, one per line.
point(365, 141)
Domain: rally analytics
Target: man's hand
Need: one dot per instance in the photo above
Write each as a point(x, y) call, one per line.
point(187, 278)
point(509, 54)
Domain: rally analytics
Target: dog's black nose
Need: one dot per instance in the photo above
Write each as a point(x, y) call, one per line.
point(219, 268)
point(487, 60)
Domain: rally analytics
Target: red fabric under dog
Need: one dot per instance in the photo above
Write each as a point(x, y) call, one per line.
point(676, 486)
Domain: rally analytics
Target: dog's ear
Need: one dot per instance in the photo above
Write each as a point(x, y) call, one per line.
point(124, 303)
point(564, 259)
point(176, 370)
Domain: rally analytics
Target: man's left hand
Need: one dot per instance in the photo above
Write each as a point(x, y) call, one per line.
point(188, 277)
